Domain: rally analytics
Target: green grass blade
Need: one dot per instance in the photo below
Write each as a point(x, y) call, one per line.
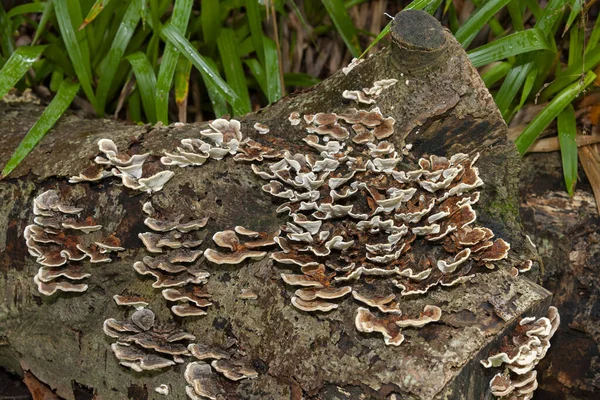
point(94, 12)
point(552, 14)
point(575, 45)
point(182, 86)
point(211, 21)
point(258, 73)
point(516, 15)
point(592, 42)
point(274, 89)
point(381, 35)
point(432, 6)
point(575, 10)
point(146, 82)
point(495, 73)
point(551, 111)
point(572, 73)
point(511, 45)
point(474, 24)
point(26, 9)
point(300, 79)
point(512, 84)
point(211, 77)
point(7, 40)
point(179, 21)
point(46, 15)
point(567, 133)
point(535, 8)
point(56, 79)
point(345, 27)
point(56, 108)
point(219, 104)
point(527, 86)
point(117, 49)
point(232, 65)
point(134, 106)
point(77, 50)
point(255, 24)
point(17, 65)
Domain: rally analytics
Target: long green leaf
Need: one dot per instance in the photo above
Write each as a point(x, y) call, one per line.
point(572, 73)
point(46, 14)
point(474, 24)
point(343, 23)
point(219, 104)
point(210, 75)
point(511, 45)
point(274, 89)
point(300, 79)
point(115, 54)
point(7, 40)
point(26, 9)
point(94, 12)
point(258, 73)
point(551, 111)
point(255, 24)
point(516, 15)
point(182, 86)
point(77, 50)
point(512, 83)
point(567, 133)
point(495, 73)
point(211, 21)
point(17, 65)
point(179, 21)
point(232, 65)
point(56, 108)
point(575, 9)
point(575, 45)
point(146, 82)
point(594, 37)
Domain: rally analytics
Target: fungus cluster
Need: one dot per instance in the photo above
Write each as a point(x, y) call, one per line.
point(235, 250)
point(359, 219)
point(519, 354)
point(369, 95)
point(203, 382)
point(143, 345)
point(224, 137)
point(173, 246)
point(131, 169)
point(61, 240)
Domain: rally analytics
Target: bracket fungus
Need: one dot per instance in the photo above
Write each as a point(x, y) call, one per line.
point(175, 267)
point(519, 354)
point(61, 241)
point(131, 169)
point(253, 248)
point(142, 344)
point(359, 216)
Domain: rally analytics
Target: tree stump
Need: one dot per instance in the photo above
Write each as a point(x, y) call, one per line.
point(432, 107)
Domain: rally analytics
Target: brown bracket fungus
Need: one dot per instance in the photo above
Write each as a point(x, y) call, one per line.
point(519, 354)
point(239, 251)
point(61, 241)
point(144, 345)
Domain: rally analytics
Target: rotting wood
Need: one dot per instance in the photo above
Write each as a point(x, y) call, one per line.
point(440, 107)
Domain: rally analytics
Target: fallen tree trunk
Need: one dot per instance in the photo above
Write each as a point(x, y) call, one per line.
point(351, 226)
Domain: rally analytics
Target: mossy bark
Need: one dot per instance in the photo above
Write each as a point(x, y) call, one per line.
point(441, 106)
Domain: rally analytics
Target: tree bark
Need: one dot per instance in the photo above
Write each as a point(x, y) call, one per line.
point(440, 106)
